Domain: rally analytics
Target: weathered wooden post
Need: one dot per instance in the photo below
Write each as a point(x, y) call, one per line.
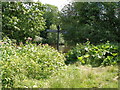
point(58, 31)
point(58, 28)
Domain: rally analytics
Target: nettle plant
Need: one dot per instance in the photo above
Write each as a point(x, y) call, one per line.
point(103, 54)
point(28, 61)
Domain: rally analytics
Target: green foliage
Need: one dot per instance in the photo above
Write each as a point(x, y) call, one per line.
point(85, 77)
point(52, 38)
point(22, 19)
point(96, 21)
point(51, 18)
point(50, 14)
point(103, 54)
point(29, 61)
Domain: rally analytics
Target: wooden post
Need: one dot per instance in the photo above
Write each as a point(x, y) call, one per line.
point(58, 35)
point(58, 28)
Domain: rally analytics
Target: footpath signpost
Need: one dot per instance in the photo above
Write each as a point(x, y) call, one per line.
point(58, 31)
point(58, 36)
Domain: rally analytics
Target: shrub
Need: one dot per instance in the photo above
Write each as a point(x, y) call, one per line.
point(103, 54)
point(28, 61)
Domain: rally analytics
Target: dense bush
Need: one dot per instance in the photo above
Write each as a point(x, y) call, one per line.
point(22, 20)
point(28, 61)
point(103, 54)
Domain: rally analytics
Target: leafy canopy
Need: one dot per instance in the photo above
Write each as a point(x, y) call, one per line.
point(22, 19)
point(94, 21)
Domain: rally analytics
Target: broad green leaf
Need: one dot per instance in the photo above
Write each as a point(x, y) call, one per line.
point(80, 58)
point(114, 54)
point(86, 56)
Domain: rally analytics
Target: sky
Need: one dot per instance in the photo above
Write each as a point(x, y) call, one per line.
point(59, 3)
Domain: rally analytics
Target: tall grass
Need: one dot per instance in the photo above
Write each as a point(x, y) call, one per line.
point(85, 77)
point(76, 77)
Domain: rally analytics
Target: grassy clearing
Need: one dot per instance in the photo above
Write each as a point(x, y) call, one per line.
point(77, 77)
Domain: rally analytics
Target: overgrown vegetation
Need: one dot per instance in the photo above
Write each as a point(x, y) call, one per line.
point(75, 77)
point(41, 66)
point(27, 62)
point(95, 55)
point(19, 63)
point(85, 77)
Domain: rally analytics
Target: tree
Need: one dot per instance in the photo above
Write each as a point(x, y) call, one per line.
point(51, 14)
point(94, 21)
point(22, 19)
